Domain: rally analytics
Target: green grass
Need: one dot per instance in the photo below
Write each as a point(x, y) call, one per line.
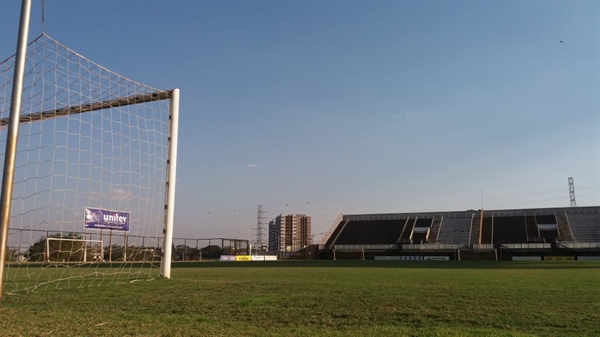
point(325, 298)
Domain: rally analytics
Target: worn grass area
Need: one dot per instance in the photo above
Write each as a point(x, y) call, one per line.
point(325, 298)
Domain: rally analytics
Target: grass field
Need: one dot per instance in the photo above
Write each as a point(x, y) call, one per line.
point(325, 298)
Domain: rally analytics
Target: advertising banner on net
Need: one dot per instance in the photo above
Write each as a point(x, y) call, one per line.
point(96, 218)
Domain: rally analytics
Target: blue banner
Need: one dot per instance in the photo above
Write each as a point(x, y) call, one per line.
point(96, 218)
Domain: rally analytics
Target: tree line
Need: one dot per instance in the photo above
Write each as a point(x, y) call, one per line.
point(74, 251)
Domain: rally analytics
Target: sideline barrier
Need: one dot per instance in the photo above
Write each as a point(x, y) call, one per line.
point(387, 258)
point(227, 258)
point(527, 246)
point(412, 258)
point(588, 258)
point(559, 258)
point(579, 245)
point(527, 258)
point(437, 258)
point(245, 258)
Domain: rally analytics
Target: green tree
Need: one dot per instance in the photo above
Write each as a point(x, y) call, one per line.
point(211, 252)
point(10, 255)
point(185, 253)
point(142, 254)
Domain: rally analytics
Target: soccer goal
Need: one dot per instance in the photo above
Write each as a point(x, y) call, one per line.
point(94, 178)
point(64, 250)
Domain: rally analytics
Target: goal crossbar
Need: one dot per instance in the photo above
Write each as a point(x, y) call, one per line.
point(73, 110)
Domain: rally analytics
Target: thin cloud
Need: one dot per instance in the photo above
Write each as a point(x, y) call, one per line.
point(252, 165)
point(406, 114)
point(119, 193)
point(91, 196)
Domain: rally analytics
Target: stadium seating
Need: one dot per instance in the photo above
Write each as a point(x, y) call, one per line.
point(514, 229)
point(420, 236)
point(405, 237)
point(475, 229)
point(547, 227)
point(423, 222)
point(421, 231)
point(455, 231)
point(335, 233)
point(533, 234)
point(435, 229)
point(359, 232)
point(509, 229)
point(545, 219)
point(564, 229)
point(549, 235)
point(585, 227)
point(487, 230)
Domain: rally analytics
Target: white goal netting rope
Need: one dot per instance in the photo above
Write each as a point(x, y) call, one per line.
point(89, 138)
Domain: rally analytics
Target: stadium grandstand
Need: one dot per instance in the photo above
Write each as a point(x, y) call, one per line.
point(571, 233)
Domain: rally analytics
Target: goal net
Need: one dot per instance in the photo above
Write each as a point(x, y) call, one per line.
point(94, 176)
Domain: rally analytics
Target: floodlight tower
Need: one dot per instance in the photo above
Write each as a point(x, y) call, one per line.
point(260, 226)
point(572, 192)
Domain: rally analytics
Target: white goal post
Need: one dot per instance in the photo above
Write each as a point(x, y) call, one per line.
point(85, 136)
point(73, 250)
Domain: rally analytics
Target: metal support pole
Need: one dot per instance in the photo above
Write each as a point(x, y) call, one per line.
point(10, 155)
point(480, 226)
point(85, 247)
point(165, 268)
point(125, 247)
point(110, 246)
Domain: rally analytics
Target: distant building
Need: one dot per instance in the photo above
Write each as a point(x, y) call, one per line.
point(289, 233)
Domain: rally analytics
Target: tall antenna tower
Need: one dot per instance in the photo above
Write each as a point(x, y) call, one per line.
point(260, 227)
point(572, 192)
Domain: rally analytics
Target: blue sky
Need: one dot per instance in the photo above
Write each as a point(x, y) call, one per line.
point(328, 107)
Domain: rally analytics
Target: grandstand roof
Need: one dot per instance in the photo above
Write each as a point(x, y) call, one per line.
point(468, 213)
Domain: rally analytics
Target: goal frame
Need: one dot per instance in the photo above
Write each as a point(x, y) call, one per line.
point(15, 119)
point(47, 250)
point(171, 164)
